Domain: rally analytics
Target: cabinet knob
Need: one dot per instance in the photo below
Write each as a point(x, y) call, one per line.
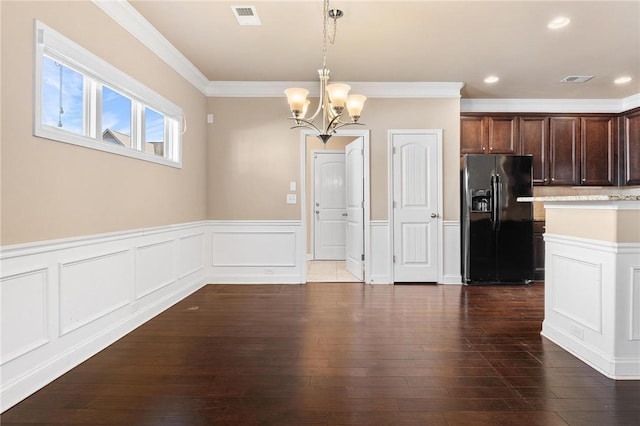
point(553, 179)
point(483, 148)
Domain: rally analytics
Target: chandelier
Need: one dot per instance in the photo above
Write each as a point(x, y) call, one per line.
point(334, 98)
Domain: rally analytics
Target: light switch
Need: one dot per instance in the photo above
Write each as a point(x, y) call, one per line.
point(292, 186)
point(210, 118)
point(291, 198)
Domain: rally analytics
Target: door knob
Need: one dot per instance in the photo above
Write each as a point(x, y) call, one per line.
point(345, 214)
point(317, 211)
point(434, 215)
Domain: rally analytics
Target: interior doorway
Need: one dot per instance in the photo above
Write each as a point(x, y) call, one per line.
point(325, 247)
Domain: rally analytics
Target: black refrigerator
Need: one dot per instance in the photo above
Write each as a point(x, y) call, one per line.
point(496, 229)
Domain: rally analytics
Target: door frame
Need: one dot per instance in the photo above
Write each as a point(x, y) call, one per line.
point(313, 194)
point(302, 251)
point(439, 187)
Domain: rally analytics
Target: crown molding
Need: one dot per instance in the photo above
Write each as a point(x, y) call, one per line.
point(275, 89)
point(132, 21)
point(551, 105)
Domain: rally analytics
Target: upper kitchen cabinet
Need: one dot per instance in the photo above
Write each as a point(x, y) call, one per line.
point(488, 135)
point(472, 135)
point(598, 150)
point(564, 150)
point(534, 140)
point(630, 137)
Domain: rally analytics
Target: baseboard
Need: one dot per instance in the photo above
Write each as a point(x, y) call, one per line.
point(617, 369)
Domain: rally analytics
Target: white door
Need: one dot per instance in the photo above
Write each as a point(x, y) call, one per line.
point(330, 212)
point(415, 207)
point(355, 207)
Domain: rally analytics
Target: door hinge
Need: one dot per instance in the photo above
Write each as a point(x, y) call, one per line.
point(362, 257)
point(393, 150)
point(394, 204)
point(394, 258)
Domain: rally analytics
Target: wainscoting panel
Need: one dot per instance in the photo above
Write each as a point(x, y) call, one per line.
point(65, 300)
point(380, 263)
point(155, 267)
point(24, 301)
point(578, 278)
point(93, 287)
point(190, 254)
point(452, 273)
point(256, 252)
point(635, 303)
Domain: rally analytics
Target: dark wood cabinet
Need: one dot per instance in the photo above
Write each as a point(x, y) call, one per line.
point(488, 135)
point(567, 149)
point(630, 137)
point(598, 151)
point(503, 134)
point(472, 135)
point(564, 150)
point(534, 140)
point(538, 250)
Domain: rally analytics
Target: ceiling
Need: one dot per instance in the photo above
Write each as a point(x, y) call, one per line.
point(416, 41)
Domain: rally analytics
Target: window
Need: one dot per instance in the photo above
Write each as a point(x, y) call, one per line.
point(82, 100)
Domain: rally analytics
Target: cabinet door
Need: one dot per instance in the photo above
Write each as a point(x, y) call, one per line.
point(534, 140)
point(564, 150)
point(597, 145)
point(503, 135)
point(473, 135)
point(631, 126)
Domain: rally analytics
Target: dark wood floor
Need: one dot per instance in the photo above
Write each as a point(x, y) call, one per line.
point(338, 354)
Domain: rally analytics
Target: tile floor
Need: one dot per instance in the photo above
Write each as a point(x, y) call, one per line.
point(329, 271)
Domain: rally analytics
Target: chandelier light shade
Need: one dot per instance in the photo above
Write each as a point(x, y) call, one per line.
point(334, 98)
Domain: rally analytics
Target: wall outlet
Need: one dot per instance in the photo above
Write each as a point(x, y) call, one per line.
point(291, 198)
point(292, 186)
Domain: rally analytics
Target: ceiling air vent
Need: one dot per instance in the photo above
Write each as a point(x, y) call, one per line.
point(576, 79)
point(246, 15)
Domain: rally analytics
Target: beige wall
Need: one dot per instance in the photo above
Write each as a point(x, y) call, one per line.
point(616, 226)
point(55, 190)
point(253, 155)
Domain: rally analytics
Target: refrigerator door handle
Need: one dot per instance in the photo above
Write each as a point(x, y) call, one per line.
point(494, 204)
point(498, 201)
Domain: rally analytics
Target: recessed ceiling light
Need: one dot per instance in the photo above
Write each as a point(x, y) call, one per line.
point(622, 80)
point(559, 22)
point(491, 79)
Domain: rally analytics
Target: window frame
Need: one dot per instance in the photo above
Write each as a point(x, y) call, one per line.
point(96, 73)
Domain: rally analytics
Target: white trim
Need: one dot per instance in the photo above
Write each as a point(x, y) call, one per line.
point(390, 172)
point(551, 105)
point(97, 72)
point(590, 244)
point(389, 89)
point(132, 21)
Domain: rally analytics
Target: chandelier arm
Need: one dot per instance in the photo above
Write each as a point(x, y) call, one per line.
point(347, 124)
point(302, 122)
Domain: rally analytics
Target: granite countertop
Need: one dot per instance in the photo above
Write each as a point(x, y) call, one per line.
point(607, 197)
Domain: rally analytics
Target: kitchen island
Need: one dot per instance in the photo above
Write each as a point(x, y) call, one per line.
point(592, 280)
